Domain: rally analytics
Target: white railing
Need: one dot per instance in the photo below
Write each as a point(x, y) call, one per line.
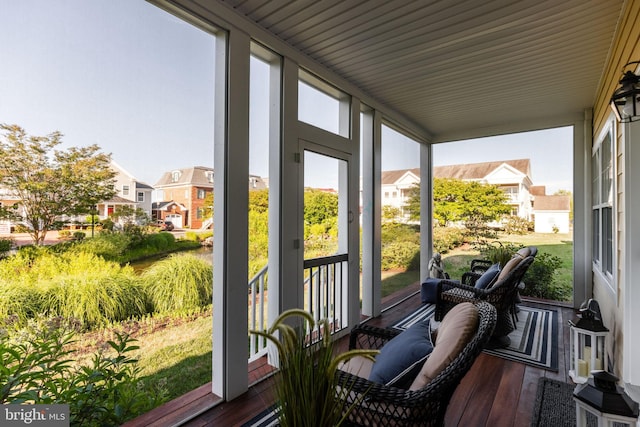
point(258, 313)
point(324, 297)
point(324, 286)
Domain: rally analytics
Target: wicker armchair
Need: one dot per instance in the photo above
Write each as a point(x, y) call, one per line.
point(380, 405)
point(502, 295)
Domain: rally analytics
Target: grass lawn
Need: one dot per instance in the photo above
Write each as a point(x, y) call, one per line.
point(457, 261)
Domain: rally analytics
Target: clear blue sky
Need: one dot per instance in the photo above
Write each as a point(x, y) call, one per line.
point(139, 83)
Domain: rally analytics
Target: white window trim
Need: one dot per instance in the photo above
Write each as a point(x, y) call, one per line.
point(610, 279)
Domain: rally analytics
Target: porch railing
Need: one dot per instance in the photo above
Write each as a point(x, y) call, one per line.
point(258, 313)
point(324, 297)
point(324, 289)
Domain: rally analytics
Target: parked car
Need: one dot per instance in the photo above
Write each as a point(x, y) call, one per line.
point(165, 225)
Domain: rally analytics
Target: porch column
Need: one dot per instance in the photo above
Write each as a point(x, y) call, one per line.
point(231, 204)
point(631, 275)
point(426, 208)
point(371, 128)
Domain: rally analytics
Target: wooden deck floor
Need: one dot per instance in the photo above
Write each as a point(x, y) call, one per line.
point(495, 392)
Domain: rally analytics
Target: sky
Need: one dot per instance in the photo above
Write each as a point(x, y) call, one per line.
point(138, 82)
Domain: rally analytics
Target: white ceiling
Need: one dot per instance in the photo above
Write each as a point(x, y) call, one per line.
point(456, 68)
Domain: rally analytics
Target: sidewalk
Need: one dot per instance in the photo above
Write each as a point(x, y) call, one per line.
point(21, 239)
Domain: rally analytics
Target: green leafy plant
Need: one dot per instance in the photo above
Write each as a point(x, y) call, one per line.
point(540, 279)
point(306, 388)
point(498, 252)
point(6, 243)
point(37, 367)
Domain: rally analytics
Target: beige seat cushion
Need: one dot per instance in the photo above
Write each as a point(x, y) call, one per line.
point(456, 329)
point(359, 366)
point(524, 252)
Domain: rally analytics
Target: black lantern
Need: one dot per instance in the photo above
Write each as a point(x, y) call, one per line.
point(601, 397)
point(625, 101)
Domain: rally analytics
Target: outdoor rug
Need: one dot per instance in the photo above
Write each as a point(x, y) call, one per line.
point(534, 341)
point(266, 418)
point(554, 405)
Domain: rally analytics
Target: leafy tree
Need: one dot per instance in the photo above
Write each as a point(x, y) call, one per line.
point(51, 182)
point(128, 215)
point(390, 213)
point(320, 207)
point(455, 200)
point(207, 208)
point(259, 200)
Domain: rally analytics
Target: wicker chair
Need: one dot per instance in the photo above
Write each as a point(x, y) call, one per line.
point(503, 295)
point(380, 405)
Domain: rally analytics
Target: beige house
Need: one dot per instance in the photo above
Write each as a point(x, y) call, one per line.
point(511, 176)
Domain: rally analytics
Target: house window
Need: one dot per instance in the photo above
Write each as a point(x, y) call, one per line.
point(175, 176)
point(125, 190)
point(201, 193)
point(140, 196)
point(199, 213)
point(209, 175)
point(602, 192)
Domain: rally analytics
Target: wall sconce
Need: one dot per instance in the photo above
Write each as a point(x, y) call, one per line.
point(587, 342)
point(601, 398)
point(625, 101)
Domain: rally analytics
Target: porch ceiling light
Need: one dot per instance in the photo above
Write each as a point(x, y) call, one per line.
point(625, 101)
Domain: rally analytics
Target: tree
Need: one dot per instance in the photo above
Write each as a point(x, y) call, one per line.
point(465, 201)
point(51, 182)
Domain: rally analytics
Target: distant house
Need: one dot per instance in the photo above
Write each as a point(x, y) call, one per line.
point(130, 192)
point(181, 194)
point(551, 213)
point(511, 176)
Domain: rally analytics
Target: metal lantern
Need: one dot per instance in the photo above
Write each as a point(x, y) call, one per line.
point(588, 338)
point(625, 101)
point(605, 401)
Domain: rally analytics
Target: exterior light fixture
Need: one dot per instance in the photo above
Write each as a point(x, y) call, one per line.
point(587, 342)
point(601, 399)
point(625, 101)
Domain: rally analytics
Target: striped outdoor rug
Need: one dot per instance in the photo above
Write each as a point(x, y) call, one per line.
point(533, 342)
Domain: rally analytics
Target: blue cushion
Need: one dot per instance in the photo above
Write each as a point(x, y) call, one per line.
point(428, 291)
point(488, 276)
point(401, 358)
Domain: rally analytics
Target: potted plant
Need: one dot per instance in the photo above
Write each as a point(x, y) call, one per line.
point(305, 388)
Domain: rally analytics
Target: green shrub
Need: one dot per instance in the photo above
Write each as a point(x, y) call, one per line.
point(160, 241)
point(108, 245)
point(446, 238)
point(497, 252)
point(79, 235)
point(179, 283)
point(88, 288)
point(517, 225)
point(540, 279)
point(6, 243)
point(64, 234)
point(37, 368)
point(198, 236)
point(400, 255)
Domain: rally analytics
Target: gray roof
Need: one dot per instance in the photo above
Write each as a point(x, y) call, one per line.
point(193, 176)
